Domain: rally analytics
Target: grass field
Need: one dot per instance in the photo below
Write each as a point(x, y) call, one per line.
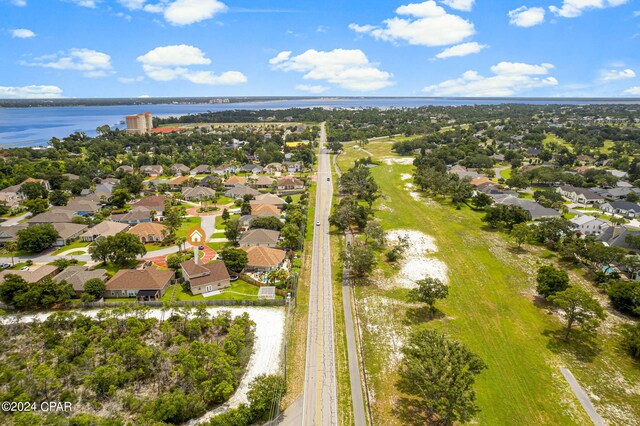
point(188, 223)
point(239, 290)
point(491, 309)
point(506, 173)
point(552, 138)
point(73, 245)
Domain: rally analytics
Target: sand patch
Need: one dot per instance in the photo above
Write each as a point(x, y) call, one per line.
point(381, 320)
point(398, 160)
point(405, 176)
point(418, 262)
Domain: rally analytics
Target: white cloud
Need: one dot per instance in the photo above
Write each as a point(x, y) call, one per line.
point(427, 24)
point(463, 49)
point(322, 29)
point(144, 96)
point(186, 12)
point(20, 3)
point(348, 69)
point(30, 92)
point(85, 3)
point(526, 16)
point(509, 78)
point(610, 75)
point(168, 63)
point(180, 54)
point(129, 80)
point(311, 88)
point(22, 33)
point(132, 4)
point(92, 62)
point(632, 91)
point(464, 5)
point(574, 8)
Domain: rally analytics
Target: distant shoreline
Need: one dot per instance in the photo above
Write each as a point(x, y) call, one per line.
point(88, 102)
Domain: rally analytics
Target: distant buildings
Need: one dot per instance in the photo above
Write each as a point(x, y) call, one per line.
point(139, 124)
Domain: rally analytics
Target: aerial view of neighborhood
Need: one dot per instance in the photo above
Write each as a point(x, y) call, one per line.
point(270, 213)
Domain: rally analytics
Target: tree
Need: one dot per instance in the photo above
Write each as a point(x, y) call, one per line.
point(11, 247)
point(459, 190)
point(625, 296)
point(233, 230)
point(59, 197)
point(12, 287)
point(120, 248)
point(119, 198)
point(235, 259)
point(632, 197)
point(291, 237)
point(438, 373)
point(481, 200)
point(375, 234)
point(521, 232)
point(172, 218)
point(37, 238)
point(225, 215)
point(34, 190)
point(359, 258)
point(36, 205)
point(579, 308)
point(631, 336)
point(335, 146)
point(266, 222)
point(551, 281)
point(264, 393)
point(95, 287)
point(504, 214)
point(100, 249)
point(429, 290)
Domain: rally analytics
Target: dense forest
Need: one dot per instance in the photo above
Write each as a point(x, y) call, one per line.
point(123, 365)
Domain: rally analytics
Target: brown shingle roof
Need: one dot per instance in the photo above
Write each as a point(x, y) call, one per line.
point(199, 274)
point(105, 229)
point(236, 180)
point(146, 279)
point(154, 201)
point(263, 256)
point(147, 228)
point(259, 236)
point(257, 209)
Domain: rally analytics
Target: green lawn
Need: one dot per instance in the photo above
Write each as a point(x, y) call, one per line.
point(225, 200)
point(112, 268)
point(552, 138)
point(218, 246)
point(153, 247)
point(188, 223)
point(73, 245)
point(506, 173)
point(490, 309)
point(239, 290)
point(120, 299)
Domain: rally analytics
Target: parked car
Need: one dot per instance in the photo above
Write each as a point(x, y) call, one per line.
point(201, 247)
point(318, 223)
point(24, 268)
point(233, 277)
point(5, 266)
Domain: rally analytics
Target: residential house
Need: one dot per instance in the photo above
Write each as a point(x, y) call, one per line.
point(55, 215)
point(152, 171)
point(534, 210)
point(290, 183)
point(294, 166)
point(146, 284)
point(235, 181)
point(200, 170)
point(616, 236)
point(251, 168)
point(155, 202)
point(135, 215)
point(81, 206)
point(225, 169)
point(10, 233)
point(623, 208)
point(177, 182)
point(107, 228)
point(268, 199)
point(580, 195)
point(264, 209)
point(463, 172)
point(33, 275)
point(77, 276)
point(241, 191)
point(260, 238)
point(273, 168)
point(179, 169)
point(68, 232)
point(589, 225)
point(12, 195)
point(204, 278)
point(210, 181)
point(149, 232)
point(617, 194)
point(482, 180)
point(125, 169)
point(263, 182)
point(264, 259)
point(197, 193)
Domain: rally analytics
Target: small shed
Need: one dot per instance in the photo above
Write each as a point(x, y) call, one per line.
point(267, 293)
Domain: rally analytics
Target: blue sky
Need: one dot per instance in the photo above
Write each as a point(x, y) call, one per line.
point(109, 48)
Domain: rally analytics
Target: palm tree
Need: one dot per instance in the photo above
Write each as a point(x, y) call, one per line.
point(11, 246)
point(180, 241)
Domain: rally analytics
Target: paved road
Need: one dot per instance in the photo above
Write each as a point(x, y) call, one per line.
point(320, 404)
point(583, 398)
